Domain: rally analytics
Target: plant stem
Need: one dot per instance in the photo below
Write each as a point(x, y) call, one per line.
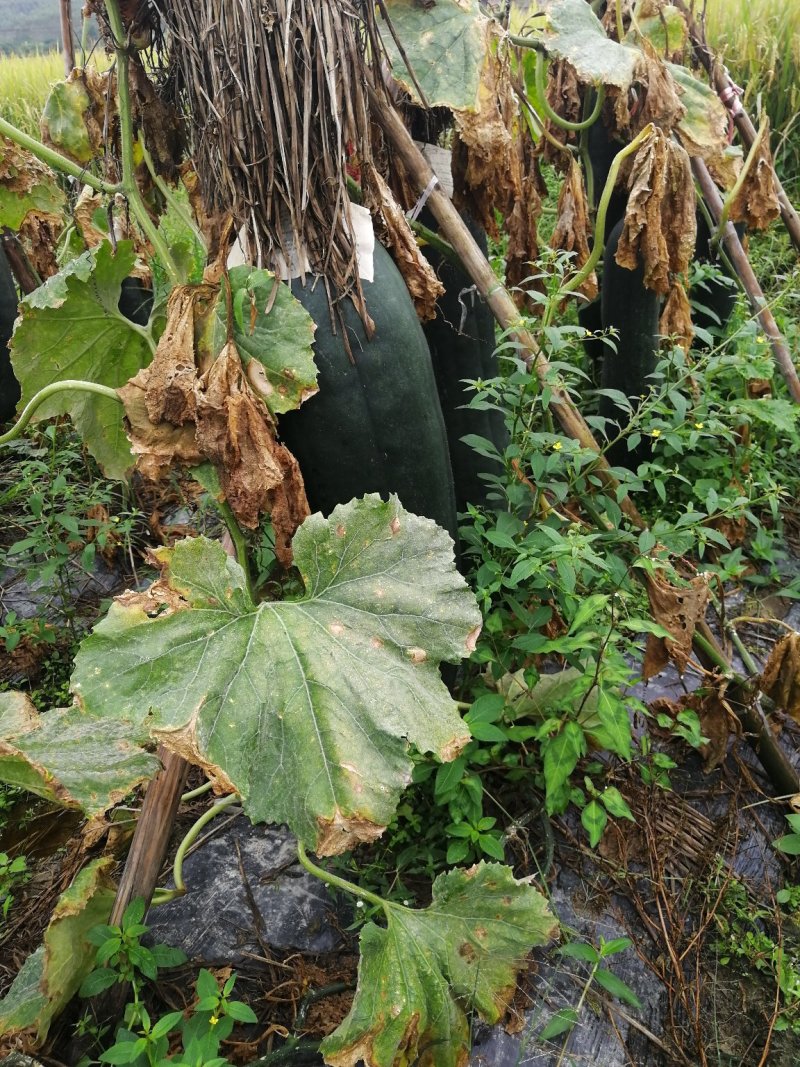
point(193, 794)
point(562, 123)
point(170, 197)
point(56, 160)
point(340, 883)
point(239, 543)
point(50, 390)
point(129, 186)
point(587, 986)
point(600, 224)
point(164, 895)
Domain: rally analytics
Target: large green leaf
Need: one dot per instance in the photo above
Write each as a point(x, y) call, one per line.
point(25, 185)
point(63, 757)
point(51, 976)
point(272, 327)
point(446, 45)
point(306, 707)
point(573, 32)
point(417, 976)
point(71, 327)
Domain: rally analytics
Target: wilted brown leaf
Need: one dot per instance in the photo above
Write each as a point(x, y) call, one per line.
point(660, 225)
point(85, 215)
point(157, 446)
point(662, 105)
point(172, 374)
point(522, 225)
point(87, 96)
point(718, 721)
point(573, 227)
point(676, 316)
point(419, 276)
point(678, 609)
point(756, 202)
point(38, 234)
point(486, 168)
point(780, 680)
point(564, 97)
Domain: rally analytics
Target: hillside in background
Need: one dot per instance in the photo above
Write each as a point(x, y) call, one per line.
point(33, 25)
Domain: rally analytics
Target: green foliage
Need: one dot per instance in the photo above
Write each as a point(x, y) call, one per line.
point(13, 874)
point(145, 1042)
point(564, 1020)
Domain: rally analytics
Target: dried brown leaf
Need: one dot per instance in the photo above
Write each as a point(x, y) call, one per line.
point(676, 316)
point(780, 680)
point(38, 235)
point(564, 97)
point(157, 446)
point(522, 226)
point(486, 168)
point(662, 104)
point(660, 225)
point(85, 214)
point(756, 201)
point(172, 375)
point(678, 609)
point(718, 721)
point(573, 228)
point(419, 276)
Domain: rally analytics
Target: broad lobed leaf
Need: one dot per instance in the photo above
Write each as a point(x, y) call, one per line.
point(419, 975)
point(306, 708)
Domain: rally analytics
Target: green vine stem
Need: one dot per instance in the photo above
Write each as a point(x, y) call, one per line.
point(129, 187)
point(599, 227)
point(162, 896)
point(340, 883)
point(193, 794)
point(239, 542)
point(57, 161)
point(50, 390)
point(562, 123)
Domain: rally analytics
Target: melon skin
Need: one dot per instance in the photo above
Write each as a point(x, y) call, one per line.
point(375, 426)
point(9, 386)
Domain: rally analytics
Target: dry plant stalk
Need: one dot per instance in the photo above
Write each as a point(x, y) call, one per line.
point(275, 94)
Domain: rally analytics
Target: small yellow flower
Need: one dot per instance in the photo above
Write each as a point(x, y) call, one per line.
point(699, 425)
point(761, 339)
point(214, 1020)
point(557, 446)
point(655, 433)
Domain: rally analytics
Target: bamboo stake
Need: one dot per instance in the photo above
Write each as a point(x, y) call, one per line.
point(67, 44)
point(727, 92)
point(755, 294)
point(493, 291)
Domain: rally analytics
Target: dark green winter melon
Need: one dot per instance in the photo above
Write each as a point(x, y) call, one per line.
point(462, 342)
point(9, 386)
point(375, 426)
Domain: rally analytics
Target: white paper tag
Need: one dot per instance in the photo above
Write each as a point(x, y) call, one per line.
point(439, 160)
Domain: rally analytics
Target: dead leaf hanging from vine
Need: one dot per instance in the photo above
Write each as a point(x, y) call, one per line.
point(678, 609)
point(522, 226)
point(780, 680)
point(756, 202)
point(486, 170)
point(573, 227)
point(660, 225)
point(419, 276)
point(662, 105)
point(676, 316)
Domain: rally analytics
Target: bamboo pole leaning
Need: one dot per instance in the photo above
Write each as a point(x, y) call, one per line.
point(728, 93)
point(755, 294)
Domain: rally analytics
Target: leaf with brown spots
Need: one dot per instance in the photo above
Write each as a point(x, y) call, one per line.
point(26, 186)
point(417, 976)
point(780, 680)
point(80, 115)
point(755, 202)
point(660, 225)
point(157, 447)
point(573, 227)
point(678, 609)
point(295, 704)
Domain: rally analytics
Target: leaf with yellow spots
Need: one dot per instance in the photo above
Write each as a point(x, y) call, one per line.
point(417, 976)
point(307, 707)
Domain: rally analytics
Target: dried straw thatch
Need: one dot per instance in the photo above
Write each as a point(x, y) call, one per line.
point(274, 92)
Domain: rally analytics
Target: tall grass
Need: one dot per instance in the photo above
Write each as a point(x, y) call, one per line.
point(24, 84)
point(759, 41)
